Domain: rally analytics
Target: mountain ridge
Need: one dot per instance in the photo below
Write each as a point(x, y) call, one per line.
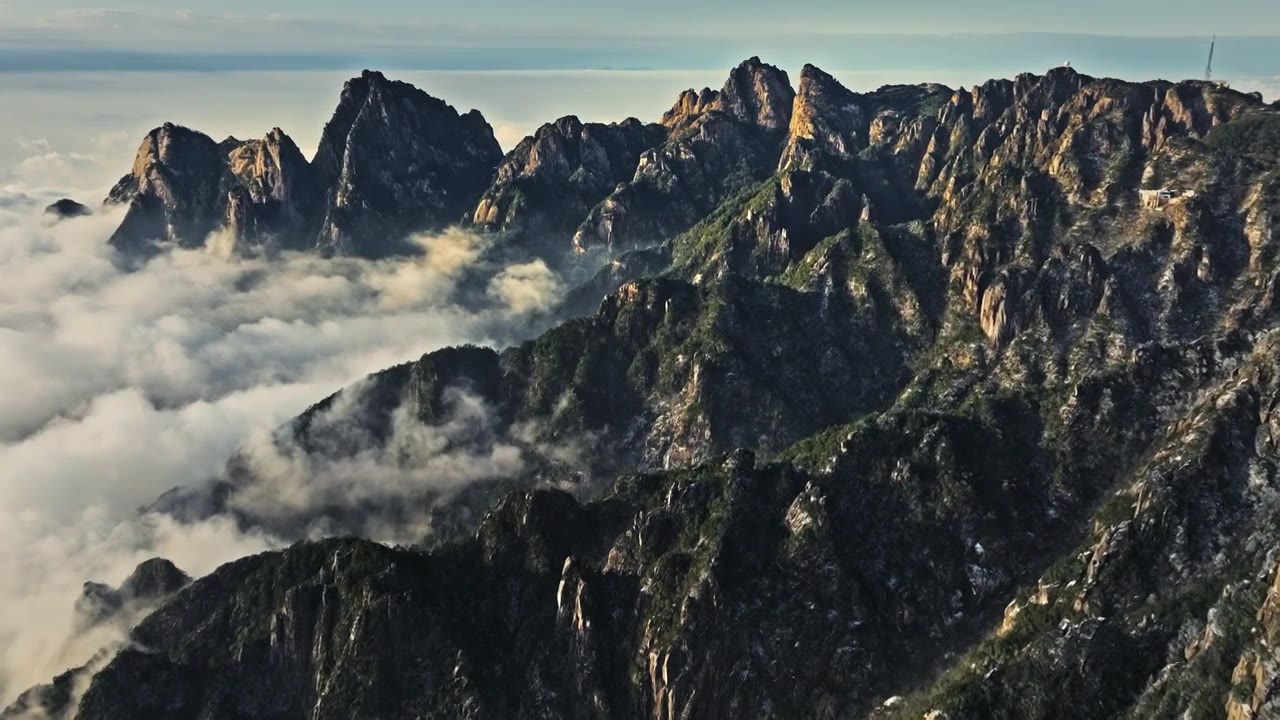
point(389, 163)
point(929, 397)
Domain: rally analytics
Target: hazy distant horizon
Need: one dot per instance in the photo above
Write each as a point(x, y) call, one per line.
point(1171, 56)
point(76, 132)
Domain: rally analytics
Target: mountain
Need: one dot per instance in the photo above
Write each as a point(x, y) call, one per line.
point(392, 161)
point(719, 143)
point(914, 402)
point(552, 179)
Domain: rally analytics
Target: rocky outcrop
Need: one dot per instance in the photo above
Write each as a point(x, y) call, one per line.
point(276, 194)
point(66, 209)
point(392, 161)
point(174, 193)
point(690, 104)
point(720, 143)
point(149, 583)
point(755, 93)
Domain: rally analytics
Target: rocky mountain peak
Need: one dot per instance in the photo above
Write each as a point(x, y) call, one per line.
point(150, 582)
point(66, 208)
point(1017, 423)
point(827, 119)
point(333, 139)
point(172, 191)
point(757, 93)
point(691, 103)
point(155, 578)
point(551, 179)
point(272, 169)
point(719, 142)
point(397, 160)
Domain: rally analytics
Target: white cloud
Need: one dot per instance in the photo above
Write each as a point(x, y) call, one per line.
point(122, 385)
point(529, 287)
point(403, 470)
point(509, 134)
point(55, 166)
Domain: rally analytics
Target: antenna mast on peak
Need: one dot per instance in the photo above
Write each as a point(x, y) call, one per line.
point(1208, 68)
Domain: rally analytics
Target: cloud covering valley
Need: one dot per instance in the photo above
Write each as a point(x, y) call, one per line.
point(122, 385)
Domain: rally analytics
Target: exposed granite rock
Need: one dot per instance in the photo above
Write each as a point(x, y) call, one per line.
point(149, 583)
point(757, 93)
point(827, 121)
point(174, 192)
point(1047, 480)
point(393, 160)
point(690, 104)
point(720, 143)
point(276, 196)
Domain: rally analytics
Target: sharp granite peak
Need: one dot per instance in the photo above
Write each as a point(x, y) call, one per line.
point(907, 403)
point(392, 161)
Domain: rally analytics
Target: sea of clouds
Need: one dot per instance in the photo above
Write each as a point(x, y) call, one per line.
point(118, 385)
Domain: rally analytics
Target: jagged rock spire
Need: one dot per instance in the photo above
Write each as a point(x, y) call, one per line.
point(755, 92)
point(827, 120)
point(758, 93)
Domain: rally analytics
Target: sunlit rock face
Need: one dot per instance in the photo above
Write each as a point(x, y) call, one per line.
point(720, 143)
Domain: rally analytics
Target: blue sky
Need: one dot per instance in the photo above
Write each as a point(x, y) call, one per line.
point(299, 24)
point(631, 17)
point(1128, 37)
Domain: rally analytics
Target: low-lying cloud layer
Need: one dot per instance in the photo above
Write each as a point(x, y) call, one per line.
point(121, 385)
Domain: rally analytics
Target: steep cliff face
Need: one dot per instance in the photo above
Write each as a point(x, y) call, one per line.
point(828, 121)
point(395, 160)
point(174, 192)
point(392, 161)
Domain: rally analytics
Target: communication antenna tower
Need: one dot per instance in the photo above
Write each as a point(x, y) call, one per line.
point(1208, 68)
